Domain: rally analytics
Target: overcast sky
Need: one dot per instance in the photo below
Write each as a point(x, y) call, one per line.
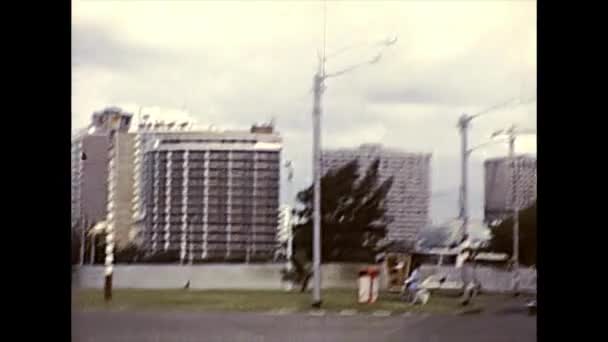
point(233, 63)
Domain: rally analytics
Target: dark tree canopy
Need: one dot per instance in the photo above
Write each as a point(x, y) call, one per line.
point(353, 217)
point(502, 236)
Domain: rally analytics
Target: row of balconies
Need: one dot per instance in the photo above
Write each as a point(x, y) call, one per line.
point(212, 219)
point(202, 230)
point(212, 179)
point(263, 197)
point(235, 165)
point(197, 171)
point(215, 246)
point(404, 218)
point(198, 244)
point(234, 210)
point(221, 227)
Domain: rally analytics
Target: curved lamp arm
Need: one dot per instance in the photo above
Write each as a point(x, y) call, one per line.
point(384, 43)
point(374, 60)
point(491, 142)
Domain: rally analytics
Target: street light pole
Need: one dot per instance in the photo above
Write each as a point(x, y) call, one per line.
point(318, 88)
point(109, 260)
point(463, 125)
point(290, 205)
point(92, 261)
point(514, 203)
point(83, 212)
point(512, 133)
point(82, 239)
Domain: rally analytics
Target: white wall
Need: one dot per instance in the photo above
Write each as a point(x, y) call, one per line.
point(491, 279)
point(268, 276)
point(209, 276)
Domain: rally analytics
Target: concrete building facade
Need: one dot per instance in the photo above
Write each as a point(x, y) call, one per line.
point(120, 188)
point(408, 200)
point(91, 156)
point(208, 195)
point(89, 178)
point(499, 186)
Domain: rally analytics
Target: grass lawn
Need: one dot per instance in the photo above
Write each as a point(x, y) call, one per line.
point(258, 301)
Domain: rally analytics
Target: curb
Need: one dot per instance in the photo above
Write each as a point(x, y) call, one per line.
point(382, 313)
point(471, 311)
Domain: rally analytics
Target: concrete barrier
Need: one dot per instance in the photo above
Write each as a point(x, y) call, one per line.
point(491, 279)
point(209, 276)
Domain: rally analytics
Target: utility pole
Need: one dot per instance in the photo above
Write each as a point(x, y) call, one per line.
point(463, 125)
point(515, 208)
point(514, 203)
point(512, 133)
point(114, 178)
point(82, 239)
point(92, 261)
point(318, 88)
point(83, 223)
point(291, 206)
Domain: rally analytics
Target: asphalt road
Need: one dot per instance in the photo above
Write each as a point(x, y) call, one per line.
point(123, 326)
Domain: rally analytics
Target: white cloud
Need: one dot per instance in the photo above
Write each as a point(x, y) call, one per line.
point(233, 63)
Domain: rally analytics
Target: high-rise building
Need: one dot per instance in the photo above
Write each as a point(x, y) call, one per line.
point(89, 176)
point(207, 195)
point(408, 200)
point(499, 186)
point(284, 231)
point(120, 188)
point(91, 157)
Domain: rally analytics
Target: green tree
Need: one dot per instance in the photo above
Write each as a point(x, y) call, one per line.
point(353, 218)
point(502, 236)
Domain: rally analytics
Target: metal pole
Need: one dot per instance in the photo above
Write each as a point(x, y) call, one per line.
point(83, 223)
point(316, 113)
point(514, 207)
point(92, 249)
point(464, 210)
point(110, 230)
point(289, 249)
point(82, 240)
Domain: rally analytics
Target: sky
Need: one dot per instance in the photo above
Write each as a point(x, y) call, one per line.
point(235, 63)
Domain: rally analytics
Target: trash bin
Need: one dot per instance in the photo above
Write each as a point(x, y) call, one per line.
point(368, 285)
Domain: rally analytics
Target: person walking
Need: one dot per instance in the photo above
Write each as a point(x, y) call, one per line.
point(412, 283)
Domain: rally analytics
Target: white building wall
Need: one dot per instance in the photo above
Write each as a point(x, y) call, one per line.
point(409, 197)
point(499, 185)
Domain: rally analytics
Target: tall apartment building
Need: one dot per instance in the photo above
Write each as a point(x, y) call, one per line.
point(120, 188)
point(408, 200)
point(499, 186)
point(91, 157)
point(284, 230)
point(208, 195)
point(89, 177)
